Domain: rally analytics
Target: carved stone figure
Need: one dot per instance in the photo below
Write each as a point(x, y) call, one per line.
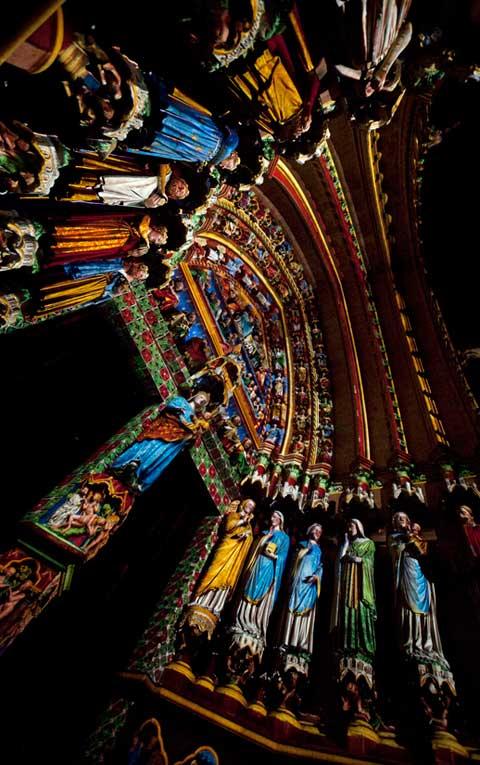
point(415, 602)
point(304, 591)
point(260, 590)
point(219, 579)
point(354, 611)
point(139, 466)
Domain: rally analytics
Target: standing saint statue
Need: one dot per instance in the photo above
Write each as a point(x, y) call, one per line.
point(182, 130)
point(376, 34)
point(414, 595)
point(260, 590)
point(139, 466)
point(218, 581)
point(354, 612)
point(85, 283)
point(304, 591)
point(83, 238)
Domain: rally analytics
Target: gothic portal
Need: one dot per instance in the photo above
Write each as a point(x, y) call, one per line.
point(240, 439)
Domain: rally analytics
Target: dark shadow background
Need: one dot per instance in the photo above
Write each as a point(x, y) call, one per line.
point(67, 386)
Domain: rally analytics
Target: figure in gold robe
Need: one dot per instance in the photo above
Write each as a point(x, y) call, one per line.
point(267, 83)
point(91, 282)
point(86, 237)
point(218, 581)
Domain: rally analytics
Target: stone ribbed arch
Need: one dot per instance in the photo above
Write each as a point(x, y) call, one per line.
point(362, 175)
point(332, 205)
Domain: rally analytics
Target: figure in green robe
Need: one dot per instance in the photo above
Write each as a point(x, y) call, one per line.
point(354, 612)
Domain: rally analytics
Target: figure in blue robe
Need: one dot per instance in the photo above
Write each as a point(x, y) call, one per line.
point(264, 577)
point(94, 268)
point(415, 602)
point(163, 438)
point(86, 283)
point(305, 584)
point(183, 131)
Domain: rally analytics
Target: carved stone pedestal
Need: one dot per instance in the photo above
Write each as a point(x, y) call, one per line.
point(361, 738)
point(447, 750)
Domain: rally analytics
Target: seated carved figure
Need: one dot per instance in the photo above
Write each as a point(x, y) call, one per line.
point(139, 466)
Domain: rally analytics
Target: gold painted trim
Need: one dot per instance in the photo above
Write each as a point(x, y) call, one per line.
point(206, 317)
point(369, 137)
point(206, 682)
point(330, 160)
point(227, 205)
point(388, 739)
point(258, 707)
point(182, 668)
point(301, 41)
point(446, 740)
point(285, 715)
point(257, 738)
point(363, 730)
point(234, 692)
